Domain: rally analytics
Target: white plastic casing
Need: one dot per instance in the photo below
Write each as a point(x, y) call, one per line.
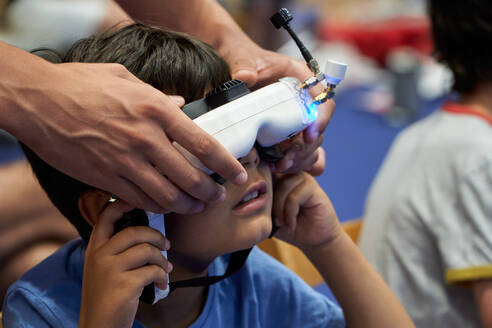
point(156, 221)
point(335, 71)
point(268, 115)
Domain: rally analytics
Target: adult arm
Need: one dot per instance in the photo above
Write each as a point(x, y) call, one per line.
point(209, 21)
point(115, 17)
point(482, 290)
point(103, 126)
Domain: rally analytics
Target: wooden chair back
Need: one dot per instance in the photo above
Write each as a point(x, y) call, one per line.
point(295, 260)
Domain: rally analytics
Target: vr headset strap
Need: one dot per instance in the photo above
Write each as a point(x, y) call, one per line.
point(236, 262)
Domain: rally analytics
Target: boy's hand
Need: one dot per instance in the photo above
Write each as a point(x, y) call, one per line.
point(118, 267)
point(303, 212)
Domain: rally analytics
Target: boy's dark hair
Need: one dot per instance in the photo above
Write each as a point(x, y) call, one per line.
point(170, 61)
point(462, 31)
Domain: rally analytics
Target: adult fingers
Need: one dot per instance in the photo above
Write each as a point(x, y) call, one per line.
point(143, 254)
point(187, 177)
point(319, 166)
point(249, 77)
point(241, 62)
point(169, 197)
point(306, 162)
point(325, 113)
point(273, 66)
point(178, 100)
point(136, 196)
point(300, 155)
point(136, 235)
point(104, 228)
point(208, 150)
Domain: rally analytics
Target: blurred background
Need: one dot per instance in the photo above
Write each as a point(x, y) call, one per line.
point(391, 81)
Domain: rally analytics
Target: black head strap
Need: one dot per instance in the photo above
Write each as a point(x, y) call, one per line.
point(236, 262)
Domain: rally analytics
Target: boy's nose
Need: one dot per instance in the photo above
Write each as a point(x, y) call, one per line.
point(250, 160)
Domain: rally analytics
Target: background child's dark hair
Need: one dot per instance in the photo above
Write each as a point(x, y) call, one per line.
point(462, 31)
point(172, 62)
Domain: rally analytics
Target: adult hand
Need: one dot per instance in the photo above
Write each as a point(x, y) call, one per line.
point(209, 21)
point(103, 126)
point(259, 67)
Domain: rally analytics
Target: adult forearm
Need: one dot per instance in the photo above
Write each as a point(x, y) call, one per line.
point(209, 21)
point(205, 19)
point(19, 70)
point(365, 298)
point(115, 17)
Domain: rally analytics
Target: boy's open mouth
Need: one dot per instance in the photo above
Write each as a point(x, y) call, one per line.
point(253, 199)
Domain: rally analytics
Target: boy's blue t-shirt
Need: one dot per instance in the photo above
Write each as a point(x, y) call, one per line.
point(264, 293)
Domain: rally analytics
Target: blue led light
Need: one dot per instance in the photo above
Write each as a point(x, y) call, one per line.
point(312, 111)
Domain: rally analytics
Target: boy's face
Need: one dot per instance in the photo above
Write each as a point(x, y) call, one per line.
point(242, 220)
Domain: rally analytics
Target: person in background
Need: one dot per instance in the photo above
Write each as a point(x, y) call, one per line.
point(428, 218)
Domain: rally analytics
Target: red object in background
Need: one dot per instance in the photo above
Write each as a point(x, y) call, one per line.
point(377, 39)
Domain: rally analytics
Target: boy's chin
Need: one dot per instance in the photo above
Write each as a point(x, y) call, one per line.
point(251, 239)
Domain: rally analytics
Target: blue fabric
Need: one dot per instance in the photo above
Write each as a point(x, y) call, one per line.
point(264, 293)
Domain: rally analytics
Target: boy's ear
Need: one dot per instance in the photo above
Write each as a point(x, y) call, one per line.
point(91, 204)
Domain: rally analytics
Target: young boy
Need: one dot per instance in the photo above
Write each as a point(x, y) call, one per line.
point(427, 224)
point(98, 284)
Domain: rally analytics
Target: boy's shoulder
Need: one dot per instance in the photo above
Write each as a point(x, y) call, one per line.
point(49, 293)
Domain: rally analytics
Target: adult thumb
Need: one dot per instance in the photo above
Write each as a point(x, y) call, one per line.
point(244, 69)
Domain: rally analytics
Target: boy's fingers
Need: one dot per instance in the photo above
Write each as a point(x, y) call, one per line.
point(104, 228)
point(283, 188)
point(149, 274)
point(135, 235)
point(295, 200)
point(143, 254)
